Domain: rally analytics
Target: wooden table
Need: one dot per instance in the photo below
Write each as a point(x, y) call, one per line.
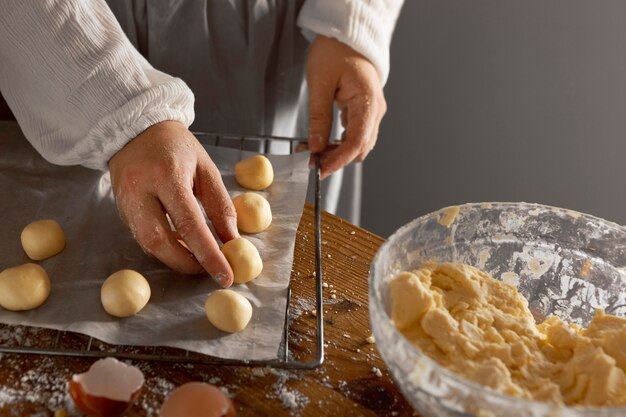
point(353, 380)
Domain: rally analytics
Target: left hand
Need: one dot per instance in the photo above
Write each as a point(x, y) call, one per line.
point(338, 74)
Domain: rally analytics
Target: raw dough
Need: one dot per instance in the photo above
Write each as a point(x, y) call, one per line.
point(42, 239)
point(228, 311)
point(482, 329)
point(124, 293)
point(244, 259)
point(448, 215)
point(253, 212)
point(24, 287)
point(255, 173)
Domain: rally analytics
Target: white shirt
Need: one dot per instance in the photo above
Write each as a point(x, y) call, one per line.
point(81, 91)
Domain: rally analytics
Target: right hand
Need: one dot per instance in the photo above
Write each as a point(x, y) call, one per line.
point(162, 171)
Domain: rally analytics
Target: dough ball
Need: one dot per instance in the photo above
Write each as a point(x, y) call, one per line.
point(228, 311)
point(124, 293)
point(255, 173)
point(244, 259)
point(24, 287)
point(253, 212)
point(42, 239)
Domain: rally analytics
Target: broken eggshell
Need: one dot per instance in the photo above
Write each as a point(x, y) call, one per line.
point(107, 389)
point(197, 399)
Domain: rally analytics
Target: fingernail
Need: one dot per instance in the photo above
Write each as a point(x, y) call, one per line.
point(315, 143)
point(223, 280)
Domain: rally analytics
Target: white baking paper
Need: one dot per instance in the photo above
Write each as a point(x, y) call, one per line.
point(98, 244)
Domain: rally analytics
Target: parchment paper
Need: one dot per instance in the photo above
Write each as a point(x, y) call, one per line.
point(98, 244)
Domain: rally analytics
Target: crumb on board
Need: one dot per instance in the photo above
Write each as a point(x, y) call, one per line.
point(377, 372)
point(291, 399)
point(370, 339)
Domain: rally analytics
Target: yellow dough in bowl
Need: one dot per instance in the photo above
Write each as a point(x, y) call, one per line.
point(482, 329)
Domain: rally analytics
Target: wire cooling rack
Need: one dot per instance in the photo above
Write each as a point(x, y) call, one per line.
point(263, 144)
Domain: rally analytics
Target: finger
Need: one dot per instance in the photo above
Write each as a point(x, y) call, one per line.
point(382, 106)
point(361, 125)
point(321, 97)
point(187, 217)
point(344, 117)
point(372, 141)
point(217, 203)
point(152, 231)
point(302, 147)
point(369, 147)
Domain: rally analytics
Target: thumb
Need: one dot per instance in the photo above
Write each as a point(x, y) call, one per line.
point(321, 98)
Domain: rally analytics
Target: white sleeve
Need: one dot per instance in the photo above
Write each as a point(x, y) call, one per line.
point(76, 85)
point(364, 25)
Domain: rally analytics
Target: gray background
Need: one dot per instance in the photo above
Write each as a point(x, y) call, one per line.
point(502, 101)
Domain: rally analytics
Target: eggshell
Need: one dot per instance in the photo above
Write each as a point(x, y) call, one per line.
point(107, 389)
point(197, 399)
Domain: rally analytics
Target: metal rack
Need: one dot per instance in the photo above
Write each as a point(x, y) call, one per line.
point(252, 142)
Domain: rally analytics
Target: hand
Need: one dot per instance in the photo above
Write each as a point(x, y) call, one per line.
point(162, 171)
point(338, 74)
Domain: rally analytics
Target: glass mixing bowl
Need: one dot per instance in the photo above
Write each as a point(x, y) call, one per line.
point(564, 262)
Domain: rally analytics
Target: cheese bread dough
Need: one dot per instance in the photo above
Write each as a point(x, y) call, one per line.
point(482, 329)
point(24, 287)
point(243, 257)
point(254, 213)
point(254, 173)
point(125, 293)
point(228, 311)
point(42, 239)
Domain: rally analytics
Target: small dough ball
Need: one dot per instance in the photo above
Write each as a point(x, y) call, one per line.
point(24, 287)
point(228, 311)
point(244, 259)
point(42, 239)
point(253, 212)
point(124, 293)
point(255, 173)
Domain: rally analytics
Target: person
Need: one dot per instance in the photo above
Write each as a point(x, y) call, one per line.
point(84, 94)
